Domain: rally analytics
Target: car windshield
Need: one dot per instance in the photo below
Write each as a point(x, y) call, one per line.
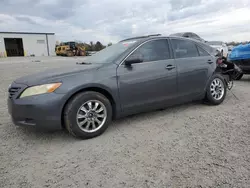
point(109, 53)
point(214, 43)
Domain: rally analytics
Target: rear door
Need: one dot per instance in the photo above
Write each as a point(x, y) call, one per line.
point(193, 67)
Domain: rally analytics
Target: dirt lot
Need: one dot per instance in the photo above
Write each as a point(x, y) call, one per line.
point(192, 145)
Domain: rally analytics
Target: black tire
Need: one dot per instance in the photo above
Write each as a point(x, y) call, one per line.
point(209, 98)
point(239, 77)
point(72, 107)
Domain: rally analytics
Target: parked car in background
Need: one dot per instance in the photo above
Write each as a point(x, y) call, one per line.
point(240, 56)
point(188, 35)
point(230, 47)
point(132, 76)
point(221, 46)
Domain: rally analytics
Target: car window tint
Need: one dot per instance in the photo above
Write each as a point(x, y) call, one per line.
point(153, 51)
point(202, 52)
point(184, 48)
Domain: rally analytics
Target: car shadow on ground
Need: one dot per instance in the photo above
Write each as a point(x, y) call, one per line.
point(158, 113)
point(32, 134)
point(245, 78)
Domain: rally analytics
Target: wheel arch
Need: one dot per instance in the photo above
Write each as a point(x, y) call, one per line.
point(216, 71)
point(98, 89)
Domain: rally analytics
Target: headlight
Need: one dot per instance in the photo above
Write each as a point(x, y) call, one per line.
point(40, 89)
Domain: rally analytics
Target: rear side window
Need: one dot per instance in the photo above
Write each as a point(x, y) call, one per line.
point(208, 48)
point(155, 50)
point(202, 52)
point(184, 48)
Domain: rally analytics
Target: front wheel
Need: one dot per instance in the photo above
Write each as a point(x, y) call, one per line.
point(87, 114)
point(216, 90)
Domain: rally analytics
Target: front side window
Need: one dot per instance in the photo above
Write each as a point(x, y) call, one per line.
point(155, 50)
point(184, 48)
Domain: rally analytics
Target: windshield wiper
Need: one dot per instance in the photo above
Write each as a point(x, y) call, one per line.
point(83, 63)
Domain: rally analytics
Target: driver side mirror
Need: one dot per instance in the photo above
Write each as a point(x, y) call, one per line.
point(132, 60)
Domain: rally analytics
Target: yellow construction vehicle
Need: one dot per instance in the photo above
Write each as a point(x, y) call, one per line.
point(70, 49)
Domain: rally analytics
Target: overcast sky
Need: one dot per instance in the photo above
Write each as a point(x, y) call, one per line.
point(112, 20)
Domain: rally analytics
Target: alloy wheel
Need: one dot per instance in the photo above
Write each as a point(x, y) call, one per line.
point(91, 116)
point(217, 89)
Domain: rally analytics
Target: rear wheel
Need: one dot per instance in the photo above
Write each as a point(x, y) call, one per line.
point(216, 90)
point(87, 114)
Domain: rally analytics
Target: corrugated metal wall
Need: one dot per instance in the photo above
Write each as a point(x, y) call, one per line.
point(33, 44)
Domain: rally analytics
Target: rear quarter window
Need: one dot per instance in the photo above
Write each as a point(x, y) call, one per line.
point(202, 52)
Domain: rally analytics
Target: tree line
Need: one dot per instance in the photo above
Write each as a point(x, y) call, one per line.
point(91, 46)
point(95, 46)
point(233, 43)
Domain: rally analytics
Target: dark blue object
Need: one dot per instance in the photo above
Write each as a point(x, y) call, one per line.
point(240, 52)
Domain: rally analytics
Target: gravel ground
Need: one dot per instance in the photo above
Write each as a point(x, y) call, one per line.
point(191, 145)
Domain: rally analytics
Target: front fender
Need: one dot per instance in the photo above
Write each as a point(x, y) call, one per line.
point(94, 87)
point(88, 86)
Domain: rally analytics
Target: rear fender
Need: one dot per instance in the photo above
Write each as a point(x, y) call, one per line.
point(218, 71)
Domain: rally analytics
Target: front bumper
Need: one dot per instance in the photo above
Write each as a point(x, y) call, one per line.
point(40, 111)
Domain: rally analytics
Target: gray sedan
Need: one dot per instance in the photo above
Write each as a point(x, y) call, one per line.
point(135, 75)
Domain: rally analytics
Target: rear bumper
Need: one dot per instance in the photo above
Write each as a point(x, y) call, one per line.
point(41, 111)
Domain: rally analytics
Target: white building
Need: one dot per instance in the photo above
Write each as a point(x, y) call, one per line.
point(27, 44)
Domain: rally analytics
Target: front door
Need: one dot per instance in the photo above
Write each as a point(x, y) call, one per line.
point(151, 83)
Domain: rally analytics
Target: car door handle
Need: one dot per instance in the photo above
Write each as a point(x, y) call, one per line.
point(170, 67)
point(209, 61)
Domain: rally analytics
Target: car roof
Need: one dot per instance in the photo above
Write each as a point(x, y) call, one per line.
point(178, 34)
point(147, 37)
point(182, 33)
point(155, 36)
point(142, 39)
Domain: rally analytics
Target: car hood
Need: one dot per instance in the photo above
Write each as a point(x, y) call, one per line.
point(55, 74)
